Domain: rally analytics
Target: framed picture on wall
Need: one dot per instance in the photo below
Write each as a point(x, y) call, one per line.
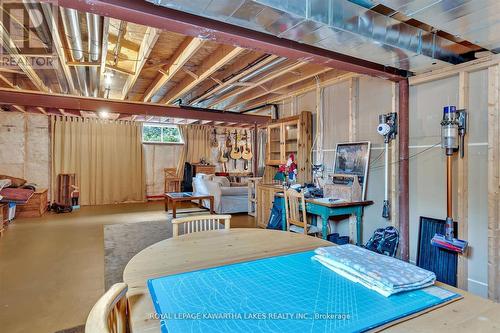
point(352, 158)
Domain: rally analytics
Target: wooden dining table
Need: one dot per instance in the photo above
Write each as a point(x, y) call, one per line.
point(215, 248)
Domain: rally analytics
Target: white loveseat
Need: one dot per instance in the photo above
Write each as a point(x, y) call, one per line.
point(227, 199)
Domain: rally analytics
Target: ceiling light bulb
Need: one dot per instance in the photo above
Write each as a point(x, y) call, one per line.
point(104, 114)
point(107, 80)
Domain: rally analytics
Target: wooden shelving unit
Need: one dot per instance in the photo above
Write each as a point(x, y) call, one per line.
point(285, 136)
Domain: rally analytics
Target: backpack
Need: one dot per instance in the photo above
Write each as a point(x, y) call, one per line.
point(384, 241)
point(276, 216)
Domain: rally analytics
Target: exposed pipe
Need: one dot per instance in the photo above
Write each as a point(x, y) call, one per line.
point(248, 77)
point(94, 31)
point(72, 27)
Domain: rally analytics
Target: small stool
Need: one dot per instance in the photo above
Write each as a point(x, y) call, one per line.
point(172, 182)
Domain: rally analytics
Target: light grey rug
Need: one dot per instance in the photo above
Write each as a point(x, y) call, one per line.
point(123, 241)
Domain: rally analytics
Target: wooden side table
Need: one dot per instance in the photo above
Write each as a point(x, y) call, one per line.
point(174, 198)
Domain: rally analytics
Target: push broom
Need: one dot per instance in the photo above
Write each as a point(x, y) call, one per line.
point(453, 128)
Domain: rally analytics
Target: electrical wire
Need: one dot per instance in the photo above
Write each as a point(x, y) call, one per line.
point(410, 157)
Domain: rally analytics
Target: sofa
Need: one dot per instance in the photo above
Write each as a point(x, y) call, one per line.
point(227, 199)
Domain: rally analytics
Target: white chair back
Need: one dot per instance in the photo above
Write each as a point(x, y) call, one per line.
point(198, 223)
point(110, 313)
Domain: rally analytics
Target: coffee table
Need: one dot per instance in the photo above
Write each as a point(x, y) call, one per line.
point(174, 197)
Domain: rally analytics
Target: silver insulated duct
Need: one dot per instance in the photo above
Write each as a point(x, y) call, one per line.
point(337, 25)
point(94, 31)
point(72, 27)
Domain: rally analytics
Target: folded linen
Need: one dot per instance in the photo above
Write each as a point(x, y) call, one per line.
point(381, 273)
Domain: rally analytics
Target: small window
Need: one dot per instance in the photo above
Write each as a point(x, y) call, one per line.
point(155, 133)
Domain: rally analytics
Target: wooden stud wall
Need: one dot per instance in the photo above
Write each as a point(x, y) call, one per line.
point(492, 64)
point(493, 183)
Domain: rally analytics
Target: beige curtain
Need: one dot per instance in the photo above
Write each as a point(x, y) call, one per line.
point(106, 156)
point(196, 145)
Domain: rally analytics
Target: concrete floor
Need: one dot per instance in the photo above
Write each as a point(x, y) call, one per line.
point(52, 268)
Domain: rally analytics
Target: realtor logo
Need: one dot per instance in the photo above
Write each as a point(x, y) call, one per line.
point(26, 34)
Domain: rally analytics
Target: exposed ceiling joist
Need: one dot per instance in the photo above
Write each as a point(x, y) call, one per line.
point(21, 60)
point(266, 78)
point(236, 67)
point(188, 47)
point(214, 62)
point(329, 78)
point(148, 14)
point(58, 45)
point(150, 38)
point(279, 83)
point(31, 98)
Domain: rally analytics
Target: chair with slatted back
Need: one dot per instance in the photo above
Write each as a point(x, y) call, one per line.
point(198, 223)
point(110, 313)
point(172, 181)
point(296, 218)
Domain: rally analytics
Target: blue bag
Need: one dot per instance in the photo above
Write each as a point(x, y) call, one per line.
point(275, 219)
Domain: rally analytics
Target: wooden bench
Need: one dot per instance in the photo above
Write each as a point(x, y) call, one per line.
point(36, 205)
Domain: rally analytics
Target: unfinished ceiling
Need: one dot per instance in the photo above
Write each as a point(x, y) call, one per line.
point(106, 57)
point(361, 28)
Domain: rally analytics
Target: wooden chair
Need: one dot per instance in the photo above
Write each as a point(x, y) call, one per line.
point(296, 218)
point(200, 223)
point(110, 313)
point(172, 181)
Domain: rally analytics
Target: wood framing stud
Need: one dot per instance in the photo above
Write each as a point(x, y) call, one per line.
point(463, 186)
point(493, 183)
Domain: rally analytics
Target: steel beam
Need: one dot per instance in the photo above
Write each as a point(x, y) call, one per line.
point(404, 165)
point(30, 98)
point(148, 14)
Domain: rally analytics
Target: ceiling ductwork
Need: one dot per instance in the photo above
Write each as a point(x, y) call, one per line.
point(72, 27)
point(337, 25)
point(94, 32)
point(473, 20)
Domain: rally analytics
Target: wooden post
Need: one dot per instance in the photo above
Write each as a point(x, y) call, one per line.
point(463, 186)
point(493, 183)
point(393, 160)
point(353, 108)
point(353, 124)
point(404, 200)
point(255, 150)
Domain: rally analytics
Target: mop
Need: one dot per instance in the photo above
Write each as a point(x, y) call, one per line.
point(453, 126)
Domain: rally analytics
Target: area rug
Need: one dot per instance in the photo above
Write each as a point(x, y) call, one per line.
point(123, 241)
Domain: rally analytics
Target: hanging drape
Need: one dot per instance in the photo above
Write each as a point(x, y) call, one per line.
point(196, 145)
point(261, 151)
point(106, 157)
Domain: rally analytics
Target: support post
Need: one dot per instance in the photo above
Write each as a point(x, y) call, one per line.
point(255, 150)
point(404, 199)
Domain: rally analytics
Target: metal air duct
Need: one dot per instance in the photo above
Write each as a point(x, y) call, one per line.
point(94, 31)
point(72, 27)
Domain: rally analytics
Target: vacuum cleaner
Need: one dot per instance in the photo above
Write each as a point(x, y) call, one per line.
point(388, 128)
point(453, 129)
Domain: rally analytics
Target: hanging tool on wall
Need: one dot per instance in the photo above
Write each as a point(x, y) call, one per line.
point(453, 130)
point(388, 128)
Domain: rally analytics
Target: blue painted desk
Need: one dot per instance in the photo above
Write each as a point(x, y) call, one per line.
point(327, 210)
